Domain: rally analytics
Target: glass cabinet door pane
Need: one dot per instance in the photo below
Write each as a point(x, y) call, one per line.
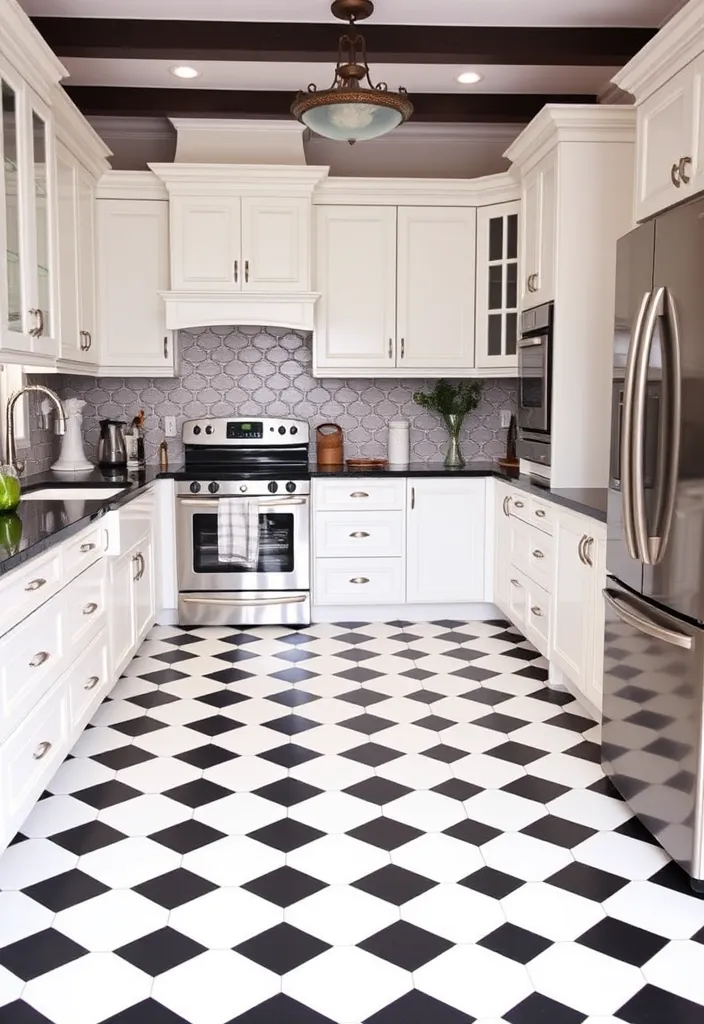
point(495, 332)
point(496, 287)
point(12, 218)
point(496, 238)
point(512, 237)
point(41, 219)
point(512, 286)
point(511, 333)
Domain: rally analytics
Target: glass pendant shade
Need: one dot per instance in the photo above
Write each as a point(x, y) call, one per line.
point(347, 121)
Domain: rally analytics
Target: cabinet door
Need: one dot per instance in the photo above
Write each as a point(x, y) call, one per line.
point(85, 211)
point(538, 233)
point(446, 540)
point(530, 235)
point(41, 237)
point(206, 250)
point(573, 613)
point(12, 259)
point(596, 554)
point(355, 315)
point(497, 285)
point(276, 245)
point(144, 589)
point(436, 286)
point(665, 135)
point(133, 268)
point(121, 618)
point(72, 343)
point(502, 523)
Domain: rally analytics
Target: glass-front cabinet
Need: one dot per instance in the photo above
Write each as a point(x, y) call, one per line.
point(497, 286)
point(27, 251)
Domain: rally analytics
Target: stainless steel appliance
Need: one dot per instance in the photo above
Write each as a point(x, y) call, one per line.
point(112, 450)
point(265, 459)
point(653, 715)
point(534, 385)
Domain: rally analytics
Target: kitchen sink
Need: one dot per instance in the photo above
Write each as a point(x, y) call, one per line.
point(73, 494)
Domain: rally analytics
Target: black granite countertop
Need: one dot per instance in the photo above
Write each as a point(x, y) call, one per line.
point(37, 525)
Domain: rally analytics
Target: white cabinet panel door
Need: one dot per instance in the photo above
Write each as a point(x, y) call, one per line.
point(436, 286)
point(446, 547)
point(538, 233)
point(356, 276)
point(530, 235)
point(121, 574)
point(206, 243)
point(502, 534)
point(85, 213)
point(665, 135)
point(573, 613)
point(72, 343)
point(144, 592)
point(275, 245)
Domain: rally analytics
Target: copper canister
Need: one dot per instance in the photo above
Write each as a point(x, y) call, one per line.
point(329, 445)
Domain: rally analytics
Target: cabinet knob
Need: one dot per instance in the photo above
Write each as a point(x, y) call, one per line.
point(515, 583)
point(360, 579)
point(538, 554)
point(391, 348)
point(518, 504)
point(403, 348)
point(90, 608)
point(682, 170)
point(35, 585)
point(538, 612)
point(237, 270)
point(359, 494)
point(39, 659)
point(359, 534)
point(85, 548)
point(675, 175)
point(540, 513)
point(42, 750)
point(92, 683)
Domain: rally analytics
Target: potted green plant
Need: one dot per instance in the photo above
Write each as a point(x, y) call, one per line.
point(452, 400)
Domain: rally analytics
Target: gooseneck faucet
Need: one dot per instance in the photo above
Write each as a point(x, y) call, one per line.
point(10, 445)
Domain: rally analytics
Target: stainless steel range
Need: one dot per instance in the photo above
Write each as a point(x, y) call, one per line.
point(265, 459)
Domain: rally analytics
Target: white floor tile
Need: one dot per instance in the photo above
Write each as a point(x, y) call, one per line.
point(630, 858)
point(129, 862)
point(239, 813)
point(21, 916)
point(487, 771)
point(98, 740)
point(338, 859)
point(330, 739)
point(79, 773)
point(33, 861)
point(455, 913)
point(225, 917)
point(555, 913)
point(475, 739)
point(584, 979)
point(10, 987)
point(341, 915)
point(411, 739)
point(334, 812)
point(251, 740)
point(592, 809)
point(657, 909)
point(244, 774)
point(257, 711)
point(332, 772)
point(88, 990)
point(145, 814)
point(114, 711)
point(182, 712)
point(215, 987)
point(568, 771)
point(439, 857)
point(175, 739)
point(459, 709)
point(57, 814)
point(497, 984)
point(427, 811)
point(678, 968)
point(416, 771)
point(111, 920)
point(502, 810)
point(544, 736)
point(525, 857)
point(160, 774)
point(233, 860)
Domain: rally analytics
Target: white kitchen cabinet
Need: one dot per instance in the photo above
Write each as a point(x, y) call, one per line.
point(355, 254)
point(85, 220)
point(436, 286)
point(446, 531)
point(497, 286)
point(76, 241)
point(275, 244)
point(538, 232)
point(144, 589)
point(502, 523)
point(133, 601)
point(133, 268)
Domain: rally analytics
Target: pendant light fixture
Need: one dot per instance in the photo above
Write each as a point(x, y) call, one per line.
point(350, 110)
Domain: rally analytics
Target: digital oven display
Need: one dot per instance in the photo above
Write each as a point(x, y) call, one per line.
point(239, 430)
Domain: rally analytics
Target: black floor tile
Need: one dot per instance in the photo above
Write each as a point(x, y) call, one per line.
point(672, 876)
point(280, 1010)
point(492, 882)
point(516, 753)
point(293, 698)
point(405, 945)
point(485, 695)
point(146, 1012)
point(222, 698)
point(285, 886)
point(417, 1008)
point(577, 723)
point(164, 675)
point(139, 726)
point(216, 725)
point(634, 829)
point(197, 793)
point(152, 699)
point(423, 696)
point(394, 884)
point(288, 792)
point(290, 755)
point(372, 754)
point(174, 888)
point(537, 1008)
point(229, 675)
point(586, 751)
point(65, 890)
point(592, 883)
point(457, 789)
point(106, 794)
point(385, 833)
point(655, 1006)
point(559, 831)
point(39, 954)
point(500, 722)
point(207, 756)
point(294, 675)
point(368, 723)
point(282, 948)
point(160, 951)
point(94, 835)
point(21, 1013)
point(377, 790)
point(623, 941)
point(474, 832)
point(363, 698)
point(291, 725)
point(434, 723)
point(187, 836)
point(444, 752)
point(516, 943)
point(286, 835)
point(533, 788)
point(173, 657)
point(123, 757)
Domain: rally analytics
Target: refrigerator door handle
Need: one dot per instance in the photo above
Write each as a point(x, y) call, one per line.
point(671, 416)
point(653, 629)
point(627, 432)
point(639, 412)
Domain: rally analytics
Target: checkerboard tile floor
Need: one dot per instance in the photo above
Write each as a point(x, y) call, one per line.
point(359, 823)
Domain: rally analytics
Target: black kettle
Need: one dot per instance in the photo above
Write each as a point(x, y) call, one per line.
point(111, 446)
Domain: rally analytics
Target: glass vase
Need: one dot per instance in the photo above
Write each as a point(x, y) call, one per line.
point(453, 456)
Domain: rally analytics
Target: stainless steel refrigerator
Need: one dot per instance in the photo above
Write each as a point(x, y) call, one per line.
point(653, 712)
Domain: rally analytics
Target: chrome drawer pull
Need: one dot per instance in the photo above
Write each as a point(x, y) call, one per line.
point(359, 494)
point(360, 579)
point(587, 549)
point(359, 534)
point(42, 750)
point(90, 608)
point(35, 585)
point(536, 611)
point(540, 513)
point(515, 583)
point(92, 683)
point(39, 659)
point(85, 548)
point(538, 554)
point(518, 504)
point(506, 505)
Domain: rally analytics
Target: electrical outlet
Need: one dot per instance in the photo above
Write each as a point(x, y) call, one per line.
point(170, 426)
point(505, 417)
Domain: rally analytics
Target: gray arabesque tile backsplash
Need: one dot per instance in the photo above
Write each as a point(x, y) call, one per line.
point(251, 371)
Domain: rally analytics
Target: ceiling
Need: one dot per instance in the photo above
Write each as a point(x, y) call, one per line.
point(252, 55)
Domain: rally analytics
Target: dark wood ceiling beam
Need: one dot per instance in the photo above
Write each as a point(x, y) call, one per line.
point(441, 107)
point(397, 44)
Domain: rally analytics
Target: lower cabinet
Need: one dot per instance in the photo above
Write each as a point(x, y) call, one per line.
point(133, 604)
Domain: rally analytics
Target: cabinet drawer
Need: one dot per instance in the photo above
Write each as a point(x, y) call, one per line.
point(28, 587)
point(82, 551)
point(359, 581)
point(32, 656)
point(359, 493)
point(351, 534)
point(88, 680)
point(85, 604)
point(538, 617)
point(542, 515)
point(541, 562)
point(31, 755)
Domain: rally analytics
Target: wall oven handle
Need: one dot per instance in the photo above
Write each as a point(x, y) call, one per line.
point(245, 601)
point(630, 616)
point(627, 440)
point(263, 502)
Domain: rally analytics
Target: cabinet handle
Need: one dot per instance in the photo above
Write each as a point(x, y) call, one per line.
point(360, 579)
point(35, 585)
point(391, 348)
point(675, 175)
point(538, 612)
point(237, 270)
point(39, 659)
point(41, 322)
point(588, 541)
point(538, 554)
point(413, 497)
point(166, 347)
point(144, 564)
point(403, 348)
point(92, 683)
point(89, 340)
point(33, 330)
point(42, 750)
point(540, 513)
point(507, 505)
point(528, 280)
point(515, 583)
point(106, 540)
point(82, 344)
point(536, 282)
point(684, 178)
point(90, 608)
point(135, 558)
point(85, 548)
point(359, 494)
point(580, 548)
point(359, 534)
point(518, 504)
point(246, 271)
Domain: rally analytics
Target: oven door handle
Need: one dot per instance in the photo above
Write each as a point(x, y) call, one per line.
point(263, 502)
point(293, 599)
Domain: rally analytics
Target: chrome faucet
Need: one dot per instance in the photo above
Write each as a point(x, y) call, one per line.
point(11, 448)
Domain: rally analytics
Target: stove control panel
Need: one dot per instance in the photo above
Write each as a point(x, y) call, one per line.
point(278, 492)
point(258, 433)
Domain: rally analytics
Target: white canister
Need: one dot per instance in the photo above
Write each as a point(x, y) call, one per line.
point(399, 448)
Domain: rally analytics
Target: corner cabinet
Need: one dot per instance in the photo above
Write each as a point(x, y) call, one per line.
point(497, 286)
point(539, 232)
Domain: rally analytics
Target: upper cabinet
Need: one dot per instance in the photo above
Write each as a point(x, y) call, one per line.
point(76, 240)
point(538, 238)
point(276, 244)
point(497, 285)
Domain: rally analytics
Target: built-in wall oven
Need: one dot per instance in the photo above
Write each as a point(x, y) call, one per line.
point(266, 461)
point(535, 385)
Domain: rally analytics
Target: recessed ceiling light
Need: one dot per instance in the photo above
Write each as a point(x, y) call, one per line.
point(183, 71)
point(469, 78)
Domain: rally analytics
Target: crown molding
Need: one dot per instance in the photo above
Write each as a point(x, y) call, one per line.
point(113, 127)
point(78, 135)
point(675, 45)
point(416, 132)
point(239, 179)
point(131, 185)
point(484, 191)
point(27, 52)
point(567, 122)
point(233, 125)
point(210, 309)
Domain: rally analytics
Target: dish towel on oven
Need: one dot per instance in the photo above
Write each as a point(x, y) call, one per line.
point(238, 531)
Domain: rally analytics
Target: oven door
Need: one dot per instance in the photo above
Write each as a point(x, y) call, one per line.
point(534, 384)
point(284, 546)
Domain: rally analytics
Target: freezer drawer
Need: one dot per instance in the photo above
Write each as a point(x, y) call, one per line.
point(652, 721)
